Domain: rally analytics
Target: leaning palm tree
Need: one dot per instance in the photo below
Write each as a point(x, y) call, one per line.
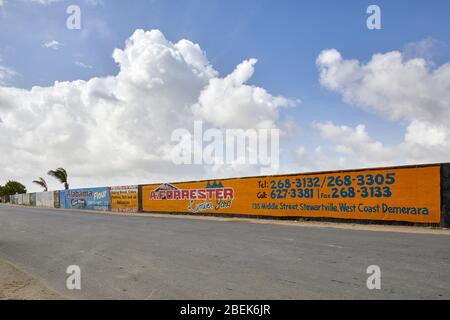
point(61, 175)
point(41, 182)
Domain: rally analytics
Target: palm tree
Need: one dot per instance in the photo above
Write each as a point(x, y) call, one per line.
point(41, 182)
point(61, 175)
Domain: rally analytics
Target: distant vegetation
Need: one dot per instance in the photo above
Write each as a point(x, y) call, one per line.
point(11, 188)
point(42, 183)
point(61, 175)
point(14, 187)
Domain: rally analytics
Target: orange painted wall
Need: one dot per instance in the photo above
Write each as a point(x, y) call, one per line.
point(409, 194)
point(124, 199)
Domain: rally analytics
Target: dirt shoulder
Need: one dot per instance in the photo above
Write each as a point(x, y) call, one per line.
point(16, 284)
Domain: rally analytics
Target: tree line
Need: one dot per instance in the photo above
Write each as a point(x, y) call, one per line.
point(14, 187)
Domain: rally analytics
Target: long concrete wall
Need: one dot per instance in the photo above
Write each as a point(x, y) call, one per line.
point(88, 198)
point(45, 199)
point(409, 194)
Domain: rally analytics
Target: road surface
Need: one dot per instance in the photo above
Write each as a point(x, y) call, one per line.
point(125, 257)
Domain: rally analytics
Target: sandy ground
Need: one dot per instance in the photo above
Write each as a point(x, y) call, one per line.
point(18, 285)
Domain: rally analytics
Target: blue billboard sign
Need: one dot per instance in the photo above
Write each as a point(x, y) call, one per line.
point(89, 199)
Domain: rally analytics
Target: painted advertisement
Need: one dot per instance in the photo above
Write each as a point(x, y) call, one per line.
point(410, 194)
point(89, 199)
point(124, 199)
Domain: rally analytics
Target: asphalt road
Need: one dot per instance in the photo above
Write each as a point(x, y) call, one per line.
point(123, 257)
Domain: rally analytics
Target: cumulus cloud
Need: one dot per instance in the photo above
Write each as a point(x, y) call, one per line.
point(117, 129)
point(353, 141)
point(410, 91)
point(313, 159)
point(389, 85)
point(353, 147)
point(223, 98)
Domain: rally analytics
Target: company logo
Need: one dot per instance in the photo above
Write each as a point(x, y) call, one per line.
point(214, 191)
point(81, 203)
point(100, 195)
point(79, 194)
point(213, 197)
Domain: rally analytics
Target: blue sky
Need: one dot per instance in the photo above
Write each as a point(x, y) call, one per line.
point(285, 36)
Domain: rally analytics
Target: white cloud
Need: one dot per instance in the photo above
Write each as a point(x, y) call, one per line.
point(353, 147)
point(389, 85)
point(53, 44)
point(223, 99)
point(308, 160)
point(95, 2)
point(6, 74)
point(83, 65)
point(44, 2)
point(427, 134)
point(117, 129)
point(426, 48)
point(397, 89)
point(349, 147)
